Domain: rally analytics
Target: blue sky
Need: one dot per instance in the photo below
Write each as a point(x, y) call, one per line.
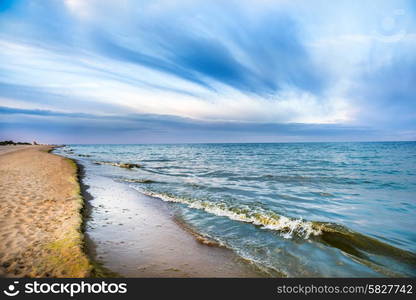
point(133, 71)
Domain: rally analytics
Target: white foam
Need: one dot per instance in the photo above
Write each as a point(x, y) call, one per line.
point(288, 227)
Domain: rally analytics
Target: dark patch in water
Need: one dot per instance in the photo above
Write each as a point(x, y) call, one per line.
point(120, 165)
point(360, 245)
point(148, 181)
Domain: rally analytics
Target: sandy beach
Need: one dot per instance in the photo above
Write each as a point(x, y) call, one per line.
point(40, 215)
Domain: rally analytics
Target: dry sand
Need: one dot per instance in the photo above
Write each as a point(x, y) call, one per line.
point(40, 217)
point(11, 148)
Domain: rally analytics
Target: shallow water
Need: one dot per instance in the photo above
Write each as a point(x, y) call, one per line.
point(302, 209)
point(135, 236)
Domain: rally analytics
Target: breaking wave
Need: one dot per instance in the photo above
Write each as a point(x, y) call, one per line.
point(287, 227)
point(330, 234)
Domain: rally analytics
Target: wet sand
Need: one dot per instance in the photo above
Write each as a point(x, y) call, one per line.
point(40, 216)
point(138, 236)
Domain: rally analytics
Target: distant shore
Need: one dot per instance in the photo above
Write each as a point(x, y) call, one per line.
point(40, 209)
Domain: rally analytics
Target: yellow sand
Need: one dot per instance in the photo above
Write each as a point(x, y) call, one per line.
point(40, 215)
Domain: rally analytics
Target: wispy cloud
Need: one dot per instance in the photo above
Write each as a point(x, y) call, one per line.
point(64, 127)
point(215, 63)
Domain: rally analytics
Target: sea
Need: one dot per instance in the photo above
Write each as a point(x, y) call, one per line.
point(296, 209)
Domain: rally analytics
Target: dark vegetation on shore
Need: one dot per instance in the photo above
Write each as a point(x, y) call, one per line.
point(5, 143)
point(98, 269)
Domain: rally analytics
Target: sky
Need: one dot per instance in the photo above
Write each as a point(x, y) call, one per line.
point(196, 71)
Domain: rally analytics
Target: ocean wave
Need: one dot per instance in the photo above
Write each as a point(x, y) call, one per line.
point(140, 181)
point(330, 234)
point(287, 227)
point(218, 173)
point(120, 165)
point(299, 179)
point(207, 240)
point(157, 160)
point(154, 171)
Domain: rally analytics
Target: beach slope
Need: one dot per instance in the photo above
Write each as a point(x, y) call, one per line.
point(40, 215)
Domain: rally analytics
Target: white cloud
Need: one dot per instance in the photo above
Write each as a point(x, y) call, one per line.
point(97, 78)
point(342, 55)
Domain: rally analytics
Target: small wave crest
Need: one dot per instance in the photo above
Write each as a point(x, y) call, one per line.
point(157, 160)
point(331, 234)
point(300, 179)
point(140, 180)
point(120, 165)
point(287, 227)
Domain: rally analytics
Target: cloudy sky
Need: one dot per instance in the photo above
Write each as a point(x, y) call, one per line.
point(166, 71)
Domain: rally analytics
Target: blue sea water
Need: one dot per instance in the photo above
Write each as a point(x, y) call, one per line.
point(297, 209)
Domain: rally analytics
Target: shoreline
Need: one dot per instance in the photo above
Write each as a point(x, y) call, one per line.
point(64, 216)
point(129, 234)
point(59, 239)
point(41, 222)
point(154, 184)
point(98, 270)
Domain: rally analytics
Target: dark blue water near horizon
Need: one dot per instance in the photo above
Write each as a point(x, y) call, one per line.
point(298, 209)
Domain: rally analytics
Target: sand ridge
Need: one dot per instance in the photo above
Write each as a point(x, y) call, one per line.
point(40, 217)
